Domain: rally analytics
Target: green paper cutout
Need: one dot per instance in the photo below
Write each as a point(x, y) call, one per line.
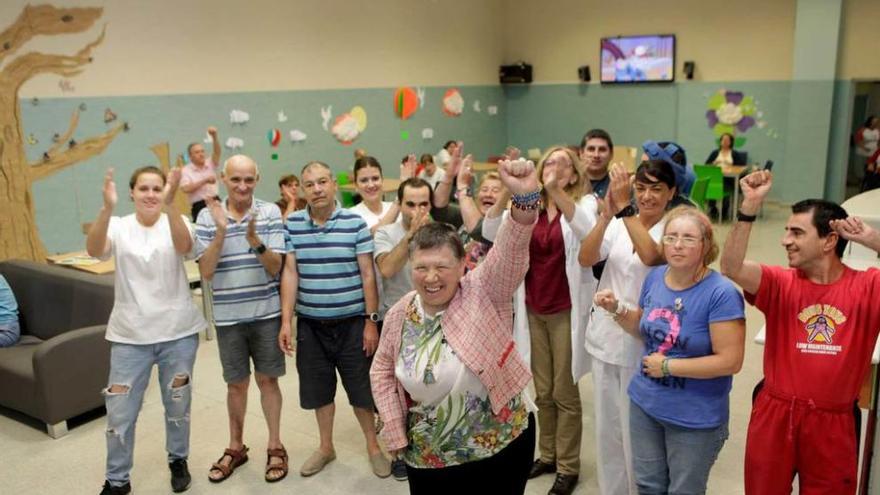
point(274, 156)
point(404, 135)
point(716, 101)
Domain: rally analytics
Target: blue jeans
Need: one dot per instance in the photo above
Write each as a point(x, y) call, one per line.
point(670, 459)
point(130, 367)
point(9, 333)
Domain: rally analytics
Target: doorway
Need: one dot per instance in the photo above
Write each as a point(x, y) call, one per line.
point(866, 104)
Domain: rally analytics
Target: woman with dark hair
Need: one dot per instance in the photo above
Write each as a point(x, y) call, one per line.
point(153, 322)
point(290, 200)
point(868, 136)
point(725, 154)
point(368, 182)
point(550, 311)
point(691, 322)
point(626, 237)
point(447, 379)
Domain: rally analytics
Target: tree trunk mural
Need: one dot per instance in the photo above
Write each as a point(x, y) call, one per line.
point(19, 237)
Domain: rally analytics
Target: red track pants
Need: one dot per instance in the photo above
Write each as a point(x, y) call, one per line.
point(788, 435)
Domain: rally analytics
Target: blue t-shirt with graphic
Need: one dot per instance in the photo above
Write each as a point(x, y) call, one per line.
point(676, 323)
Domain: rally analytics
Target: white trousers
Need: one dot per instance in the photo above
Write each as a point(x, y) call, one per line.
point(614, 456)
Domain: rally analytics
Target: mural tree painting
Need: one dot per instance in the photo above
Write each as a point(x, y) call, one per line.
point(19, 237)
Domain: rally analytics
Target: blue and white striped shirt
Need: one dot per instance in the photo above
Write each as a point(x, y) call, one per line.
point(330, 284)
point(243, 290)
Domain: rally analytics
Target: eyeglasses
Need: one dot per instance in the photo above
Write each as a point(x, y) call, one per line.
point(686, 241)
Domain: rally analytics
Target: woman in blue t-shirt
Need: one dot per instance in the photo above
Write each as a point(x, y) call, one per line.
point(692, 323)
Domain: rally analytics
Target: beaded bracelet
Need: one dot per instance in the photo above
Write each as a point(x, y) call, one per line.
point(527, 202)
point(664, 367)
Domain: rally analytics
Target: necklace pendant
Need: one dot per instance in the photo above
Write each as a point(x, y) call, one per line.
point(428, 379)
point(678, 305)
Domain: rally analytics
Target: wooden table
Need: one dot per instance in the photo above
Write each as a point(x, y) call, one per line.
point(484, 166)
point(81, 260)
point(388, 186)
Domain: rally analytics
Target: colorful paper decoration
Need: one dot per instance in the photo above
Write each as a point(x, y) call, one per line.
point(274, 156)
point(349, 126)
point(109, 115)
point(239, 117)
point(427, 133)
point(234, 143)
point(406, 102)
point(281, 116)
point(274, 137)
point(326, 115)
point(297, 136)
point(453, 103)
point(404, 135)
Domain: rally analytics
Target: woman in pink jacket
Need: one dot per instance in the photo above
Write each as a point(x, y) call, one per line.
point(447, 378)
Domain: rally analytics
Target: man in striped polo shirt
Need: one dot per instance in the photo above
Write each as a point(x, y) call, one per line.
point(328, 278)
point(240, 242)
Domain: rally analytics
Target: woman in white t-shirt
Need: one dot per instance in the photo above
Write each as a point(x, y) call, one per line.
point(368, 181)
point(627, 237)
point(868, 137)
point(154, 320)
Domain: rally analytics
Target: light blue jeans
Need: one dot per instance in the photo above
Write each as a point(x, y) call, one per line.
point(130, 367)
point(9, 333)
point(670, 459)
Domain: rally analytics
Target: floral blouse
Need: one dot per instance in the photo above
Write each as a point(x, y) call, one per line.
point(451, 420)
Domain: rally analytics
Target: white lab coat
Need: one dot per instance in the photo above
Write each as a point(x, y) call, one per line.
point(581, 285)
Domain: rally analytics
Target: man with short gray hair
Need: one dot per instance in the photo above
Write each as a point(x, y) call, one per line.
point(240, 242)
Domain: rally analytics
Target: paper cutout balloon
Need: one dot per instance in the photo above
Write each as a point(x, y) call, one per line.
point(406, 102)
point(453, 103)
point(274, 137)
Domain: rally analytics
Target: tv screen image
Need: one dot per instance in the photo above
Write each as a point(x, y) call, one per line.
point(630, 59)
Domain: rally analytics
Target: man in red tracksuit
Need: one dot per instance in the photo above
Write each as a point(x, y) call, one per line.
point(822, 321)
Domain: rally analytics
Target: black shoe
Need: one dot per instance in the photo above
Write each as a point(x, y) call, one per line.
point(180, 478)
point(398, 469)
point(540, 467)
point(116, 490)
point(564, 484)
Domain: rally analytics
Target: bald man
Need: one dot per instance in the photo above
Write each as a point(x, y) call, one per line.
point(240, 241)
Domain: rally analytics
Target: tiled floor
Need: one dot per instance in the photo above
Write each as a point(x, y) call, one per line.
point(31, 462)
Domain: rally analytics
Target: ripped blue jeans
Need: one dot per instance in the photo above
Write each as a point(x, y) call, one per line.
point(130, 368)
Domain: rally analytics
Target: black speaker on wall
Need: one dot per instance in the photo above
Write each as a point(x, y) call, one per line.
point(584, 73)
point(689, 67)
point(516, 73)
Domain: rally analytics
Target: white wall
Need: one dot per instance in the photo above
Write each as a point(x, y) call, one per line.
point(207, 46)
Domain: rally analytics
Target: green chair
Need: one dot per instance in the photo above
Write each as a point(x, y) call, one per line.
point(347, 198)
point(715, 189)
point(698, 193)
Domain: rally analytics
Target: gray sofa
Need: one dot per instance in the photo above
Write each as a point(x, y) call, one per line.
point(61, 364)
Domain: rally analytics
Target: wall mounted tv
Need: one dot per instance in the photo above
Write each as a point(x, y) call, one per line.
point(637, 59)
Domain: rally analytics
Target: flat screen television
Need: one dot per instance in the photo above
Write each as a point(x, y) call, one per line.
point(638, 59)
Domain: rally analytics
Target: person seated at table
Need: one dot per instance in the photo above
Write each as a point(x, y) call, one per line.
point(725, 154)
point(369, 183)
point(290, 201)
point(430, 172)
point(9, 327)
point(461, 430)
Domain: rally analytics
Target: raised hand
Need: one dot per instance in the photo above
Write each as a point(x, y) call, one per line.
point(619, 189)
point(551, 183)
point(519, 176)
point(109, 190)
point(855, 230)
point(420, 218)
point(217, 213)
point(455, 161)
point(408, 167)
point(606, 300)
point(465, 173)
point(212, 131)
point(755, 187)
point(172, 181)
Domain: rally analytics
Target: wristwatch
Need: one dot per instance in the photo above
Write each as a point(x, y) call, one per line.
point(374, 317)
point(259, 249)
point(628, 211)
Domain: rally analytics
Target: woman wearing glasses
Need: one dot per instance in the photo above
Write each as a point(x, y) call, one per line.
point(626, 237)
point(692, 323)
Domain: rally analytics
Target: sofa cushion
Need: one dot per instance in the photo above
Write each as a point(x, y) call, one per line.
point(17, 389)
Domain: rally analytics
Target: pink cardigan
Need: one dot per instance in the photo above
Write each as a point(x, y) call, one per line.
point(478, 324)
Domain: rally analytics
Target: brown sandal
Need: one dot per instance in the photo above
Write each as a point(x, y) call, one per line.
point(237, 458)
point(282, 466)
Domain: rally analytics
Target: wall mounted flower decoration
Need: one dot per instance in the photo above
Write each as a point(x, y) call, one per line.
point(731, 112)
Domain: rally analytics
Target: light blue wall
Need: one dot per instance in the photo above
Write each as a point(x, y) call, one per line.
point(66, 200)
